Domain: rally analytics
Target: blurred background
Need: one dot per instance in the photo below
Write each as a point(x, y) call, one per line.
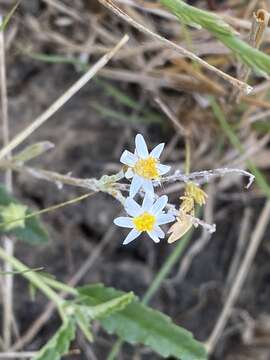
point(49, 44)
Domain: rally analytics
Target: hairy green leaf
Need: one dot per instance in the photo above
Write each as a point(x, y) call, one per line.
point(137, 323)
point(191, 15)
point(32, 230)
point(59, 344)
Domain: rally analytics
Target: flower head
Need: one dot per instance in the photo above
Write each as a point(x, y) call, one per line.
point(193, 191)
point(143, 167)
point(145, 218)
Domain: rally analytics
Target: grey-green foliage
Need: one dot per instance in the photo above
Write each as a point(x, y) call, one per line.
point(139, 324)
point(59, 344)
point(193, 16)
point(33, 231)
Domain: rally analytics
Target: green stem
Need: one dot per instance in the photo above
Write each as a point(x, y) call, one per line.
point(59, 285)
point(158, 280)
point(34, 278)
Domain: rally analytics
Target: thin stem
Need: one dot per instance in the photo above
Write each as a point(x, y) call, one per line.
point(34, 278)
point(167, 266)
point(51, 208)
point(57, 285)
point(40, 120)
point(187, 160)
point(158, 280)
point(8, 243)
point(240, 277)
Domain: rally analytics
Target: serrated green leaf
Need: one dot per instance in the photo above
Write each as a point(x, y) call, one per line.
point(139, 324)
point(33, 232)
point(59, 344)
point(191, 15)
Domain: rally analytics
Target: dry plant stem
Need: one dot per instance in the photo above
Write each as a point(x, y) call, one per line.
point(204, 176)
point(119, 12)
point(62, 99)
point(17, 355)
point(240, 278)
point(171, 116)
point(259, 25)
point(8, 243)
point(104, 184)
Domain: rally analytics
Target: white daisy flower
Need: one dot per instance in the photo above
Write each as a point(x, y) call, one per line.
point(147, 218)
point(143, 168)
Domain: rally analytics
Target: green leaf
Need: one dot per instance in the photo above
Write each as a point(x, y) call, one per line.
point(9, 16)
point(11, 213)
point(191, 15)
point(139, 324)
point(32, 151)
point(59, 344)
point(111, 306)
point(33, 231)
point(85, 313)
point(261, 126)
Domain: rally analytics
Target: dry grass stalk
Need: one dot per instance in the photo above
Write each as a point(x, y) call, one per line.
point(62, 99)
point(256, 238)
point(119, 12)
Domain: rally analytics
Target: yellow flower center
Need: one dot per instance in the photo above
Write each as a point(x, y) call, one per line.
point(144, 222)
point(147, 168)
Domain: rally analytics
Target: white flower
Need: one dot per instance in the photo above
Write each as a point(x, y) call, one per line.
point(143, 168)
point(147, 218)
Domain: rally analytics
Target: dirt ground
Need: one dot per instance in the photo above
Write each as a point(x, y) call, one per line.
point(89, 144)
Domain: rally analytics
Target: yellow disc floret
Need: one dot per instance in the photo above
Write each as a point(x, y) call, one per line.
point(147, 168)
point(144, 222)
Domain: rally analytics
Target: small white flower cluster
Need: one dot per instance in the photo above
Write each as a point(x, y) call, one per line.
point(144, 170)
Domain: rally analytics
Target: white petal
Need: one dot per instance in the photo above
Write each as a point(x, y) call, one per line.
point(157, 150)
point(164, 219)
point(159, 205)
point(153, 235)
point(129, 174)
point(124, 222)
point(141, 146)
point(128, 158)
point(160, 233)
point(132, 208)
point(147, 202)
point(148, 187)
point(163, 169)
point(136, 184)
point(131, 236)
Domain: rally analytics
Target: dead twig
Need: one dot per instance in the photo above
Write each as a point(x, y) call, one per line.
point(256, 238)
